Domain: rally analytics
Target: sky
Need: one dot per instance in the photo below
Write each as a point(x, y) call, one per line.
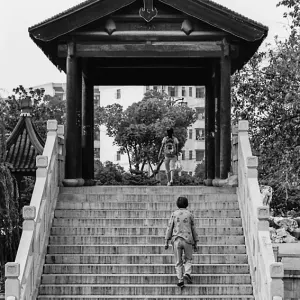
point(23, 63)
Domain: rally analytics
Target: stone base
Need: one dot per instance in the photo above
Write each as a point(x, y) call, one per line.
point(208, 182)
point(73, 182)
point(89, 182)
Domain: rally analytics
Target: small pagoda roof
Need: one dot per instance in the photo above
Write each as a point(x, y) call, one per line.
point(24, 144)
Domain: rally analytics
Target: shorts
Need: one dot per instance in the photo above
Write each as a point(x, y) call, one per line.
point(170, 163)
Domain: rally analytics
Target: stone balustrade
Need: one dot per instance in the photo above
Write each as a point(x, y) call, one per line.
point(266, 273)
point(23, 276)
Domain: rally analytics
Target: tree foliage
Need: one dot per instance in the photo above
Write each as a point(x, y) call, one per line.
point(267, 93)
point(139, 129)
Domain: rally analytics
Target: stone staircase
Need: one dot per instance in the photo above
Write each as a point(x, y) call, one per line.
point(107, 243)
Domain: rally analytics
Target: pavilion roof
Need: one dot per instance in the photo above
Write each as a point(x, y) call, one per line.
point(49, 33)
point(23, 145)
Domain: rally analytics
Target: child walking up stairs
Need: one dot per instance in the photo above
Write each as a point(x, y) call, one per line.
point(107, 242)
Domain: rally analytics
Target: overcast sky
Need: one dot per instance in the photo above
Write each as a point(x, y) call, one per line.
point(22, 62)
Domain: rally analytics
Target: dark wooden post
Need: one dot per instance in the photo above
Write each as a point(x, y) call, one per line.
point(87, 127)
point(225, 110)
point(217, 120)
point(71, 124)
point(78, 95)
point(209, 132)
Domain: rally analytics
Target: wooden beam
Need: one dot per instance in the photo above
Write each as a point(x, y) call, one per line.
point(155, 49)
point(143, 76)
point(143, 35)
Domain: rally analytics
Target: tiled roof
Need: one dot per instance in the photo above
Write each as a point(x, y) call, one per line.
point(90, 2)
point(66, 12)
point(23, 146)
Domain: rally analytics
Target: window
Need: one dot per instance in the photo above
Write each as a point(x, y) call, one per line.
point(190, 154)
point(97, 100)
point(200, 111)
point(200, 92)
point(199, 134)
point(147, 88)
point(183, 92)
point(191, 91)
point(183, 154)
point(190, 133)
point(199, 155)
point(97, 134)
point(155, 87)
point(173, 91)
point(97, 153)
point(118, 94)
point(118, 155)
point(163, 88)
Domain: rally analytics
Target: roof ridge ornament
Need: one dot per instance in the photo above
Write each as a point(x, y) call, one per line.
point(149, 12)
point(26, 107)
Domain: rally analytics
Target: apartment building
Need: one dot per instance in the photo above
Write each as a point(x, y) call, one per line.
point(104, 148)
point(194, 148)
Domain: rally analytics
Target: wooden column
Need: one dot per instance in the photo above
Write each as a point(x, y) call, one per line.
point(225, 111)
point(209, 132)
point(71, 125)
point(87, 128)
point(78, 95)
point(217, 120)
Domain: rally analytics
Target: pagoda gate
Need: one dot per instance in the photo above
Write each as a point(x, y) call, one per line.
point(149, 42)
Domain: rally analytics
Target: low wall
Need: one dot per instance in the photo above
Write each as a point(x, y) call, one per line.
point(289, 255)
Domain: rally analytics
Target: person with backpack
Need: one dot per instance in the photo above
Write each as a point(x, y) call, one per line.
point(169, 148)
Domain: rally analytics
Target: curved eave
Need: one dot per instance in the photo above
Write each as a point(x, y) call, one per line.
point(74, 19)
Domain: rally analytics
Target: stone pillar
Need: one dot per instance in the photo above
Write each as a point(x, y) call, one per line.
point(12, 283)
point(71, 171)
point(225, 113)
point(87, 130)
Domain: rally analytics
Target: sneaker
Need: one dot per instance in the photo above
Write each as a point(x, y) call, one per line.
point(169, 184)
point(188, 278)
point(180, 284)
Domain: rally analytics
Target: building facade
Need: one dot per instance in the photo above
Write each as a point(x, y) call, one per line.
point(104, 149)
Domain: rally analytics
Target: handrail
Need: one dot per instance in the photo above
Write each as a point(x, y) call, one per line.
point(266, 273)
point(23, 276)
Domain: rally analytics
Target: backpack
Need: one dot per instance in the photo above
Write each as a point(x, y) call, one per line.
point(170, 147)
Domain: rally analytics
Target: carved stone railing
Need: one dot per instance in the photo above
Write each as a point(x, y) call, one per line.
point(266, 273)
point(23, 276)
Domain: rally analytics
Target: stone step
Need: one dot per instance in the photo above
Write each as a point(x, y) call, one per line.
point(77, 213)
point(124, 269)
point(140, 222)
point(172, 190)
point(147, 197)
point(143, 279)
point(143, 259)
point(139, 239)
point(139, 231)
point(140, 249)
point(170, 206)
point(145, 297)
point(110, 289)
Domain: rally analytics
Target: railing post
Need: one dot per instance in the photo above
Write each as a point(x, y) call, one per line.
point(41, 164)
point(12, 283)
point(243, 127)
point(234, 153)
point(52, 127)
point(252, 164)
point(277, 273)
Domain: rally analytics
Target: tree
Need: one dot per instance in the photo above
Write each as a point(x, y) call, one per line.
point(139, 130)
point(266, 92)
